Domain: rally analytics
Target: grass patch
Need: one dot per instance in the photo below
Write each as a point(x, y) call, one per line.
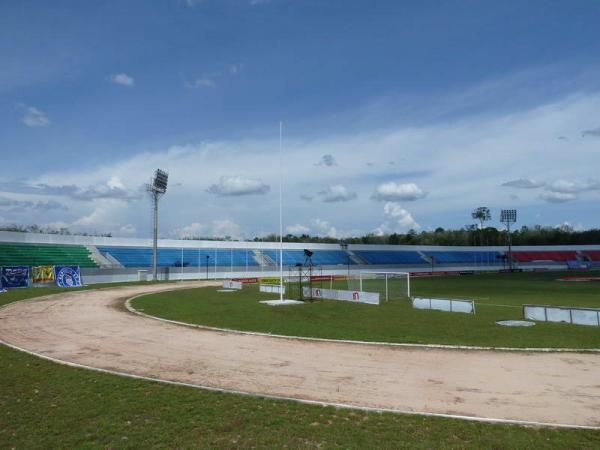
point(497, 296)
point(48, 405)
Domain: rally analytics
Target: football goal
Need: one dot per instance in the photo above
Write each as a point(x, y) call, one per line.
point(389, 285)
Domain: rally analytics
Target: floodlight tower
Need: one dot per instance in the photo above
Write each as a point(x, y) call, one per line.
point(157, 188)
point(508, 216)
point(344, 247)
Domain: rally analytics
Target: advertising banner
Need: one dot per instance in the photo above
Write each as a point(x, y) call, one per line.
point(67, 276)
point(271, 288)
point(232, 284)
point(14, 277)
point(246, 280)
point(42, 274)
point(372, 298)
point(270, 280)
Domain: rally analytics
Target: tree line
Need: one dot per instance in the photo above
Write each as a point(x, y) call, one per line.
point(467, 236)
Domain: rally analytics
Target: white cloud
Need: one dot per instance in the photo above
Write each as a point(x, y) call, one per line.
point(122, 79)
point(235, 69)
point(32, 116)
point(226, 228)
point(219, 228)
point(306, 197)
point(203, 82)
point(337, 193)
point(396, 220)
point(192, 230)
point(297, 229)
point(324, 228)
point(567, 226)
point(126, 231)
point(524, 183)
point(557, 197)
point(238, 185)
point(392, 191)
point(451, 157)
point(567, 186)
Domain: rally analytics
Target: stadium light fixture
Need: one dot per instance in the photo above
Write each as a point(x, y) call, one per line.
point(344, 246)
point(156, 188)
point(508, 217)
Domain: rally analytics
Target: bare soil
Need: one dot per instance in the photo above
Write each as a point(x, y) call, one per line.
point(92, 329)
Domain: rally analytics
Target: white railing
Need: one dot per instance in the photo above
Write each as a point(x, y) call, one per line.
point(444, 304)
point(568, 314)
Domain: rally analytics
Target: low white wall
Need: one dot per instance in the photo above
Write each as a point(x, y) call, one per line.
point(443, 304)
point(568, 314)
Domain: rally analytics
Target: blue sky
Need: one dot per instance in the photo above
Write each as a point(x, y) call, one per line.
point(396, 115)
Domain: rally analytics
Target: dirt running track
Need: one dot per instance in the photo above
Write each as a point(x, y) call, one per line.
point(92, 328)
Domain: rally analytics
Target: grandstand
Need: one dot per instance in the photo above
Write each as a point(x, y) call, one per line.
point(383, 257)
point(174, 257)
point(319, 258)
point(464, 257)
point(13, 254)
point(105, 259)
point(552, 256)
point(593, 255)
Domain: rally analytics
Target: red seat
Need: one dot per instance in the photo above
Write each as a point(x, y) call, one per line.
point(593, 254)
point(557, 256)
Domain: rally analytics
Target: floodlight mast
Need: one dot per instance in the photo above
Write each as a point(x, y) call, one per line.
point(157, 188)
point(508, 216)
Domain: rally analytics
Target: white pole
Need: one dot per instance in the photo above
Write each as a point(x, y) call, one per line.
point(386, 288)
point(181, 263)
point(408, 283)
point(280, 212)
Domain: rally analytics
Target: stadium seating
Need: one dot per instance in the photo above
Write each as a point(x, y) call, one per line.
point(465, 257)
point(319, 258)
point(45, 255)
point(594, 255)
point(555, 256)
point(390, 257)
point(172, 257)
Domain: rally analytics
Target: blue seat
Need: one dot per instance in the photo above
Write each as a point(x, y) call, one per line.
point(390, 257)
point(319, 257)
point(173, 257)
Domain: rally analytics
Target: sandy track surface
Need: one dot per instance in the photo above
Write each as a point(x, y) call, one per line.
point(93, 329)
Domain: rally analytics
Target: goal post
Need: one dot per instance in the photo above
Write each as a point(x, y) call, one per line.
point(390, 285)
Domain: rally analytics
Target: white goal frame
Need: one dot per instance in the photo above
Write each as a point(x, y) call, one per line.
point(385, 273)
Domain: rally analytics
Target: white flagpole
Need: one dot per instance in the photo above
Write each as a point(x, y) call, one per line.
point(280, 212)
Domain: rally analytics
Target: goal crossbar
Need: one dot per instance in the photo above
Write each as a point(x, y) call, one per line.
point(389, 290)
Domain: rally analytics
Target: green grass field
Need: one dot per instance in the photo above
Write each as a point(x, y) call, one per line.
point(497, 296)
point(48, 405)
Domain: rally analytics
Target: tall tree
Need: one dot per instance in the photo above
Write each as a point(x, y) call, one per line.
point(482, 214)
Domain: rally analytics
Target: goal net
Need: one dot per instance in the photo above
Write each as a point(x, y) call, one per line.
point(389, 285)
